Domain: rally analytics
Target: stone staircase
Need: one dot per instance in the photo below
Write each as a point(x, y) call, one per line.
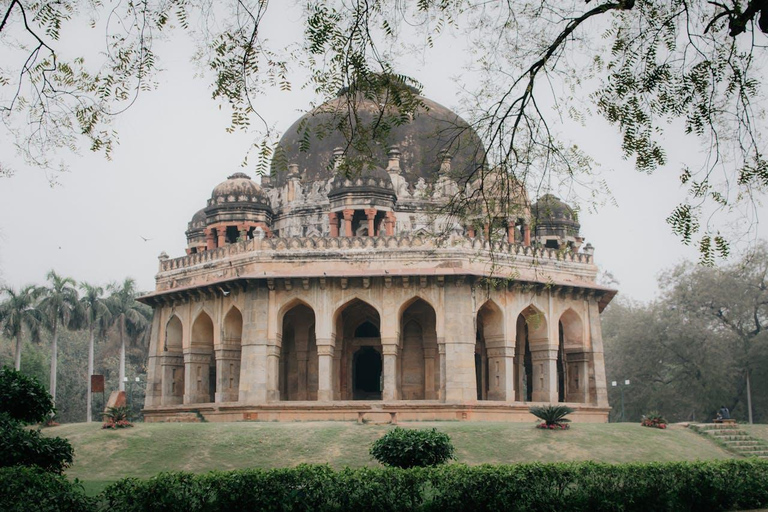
point(732, 438)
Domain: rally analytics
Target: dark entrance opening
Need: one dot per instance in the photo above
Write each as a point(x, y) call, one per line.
point(212, 381)
point(366, 375)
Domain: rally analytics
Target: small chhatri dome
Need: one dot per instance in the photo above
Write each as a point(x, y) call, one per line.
point(238, 188)
point(554, 217)
point(198, 220)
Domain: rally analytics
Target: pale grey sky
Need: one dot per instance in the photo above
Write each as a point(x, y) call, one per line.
point(173, 150)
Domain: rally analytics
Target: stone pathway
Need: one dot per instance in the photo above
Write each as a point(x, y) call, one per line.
point(732, 438)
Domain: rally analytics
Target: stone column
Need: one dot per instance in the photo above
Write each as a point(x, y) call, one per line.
point(500, 370)
point(527, 235)
point(598, 359)
point(471, 232)
point(511, 231)
point(487, 231)
point(222, 232)
point(273, 372)
point(391, 221)
point(227, 374)
point(390, 352)
point(333, 219)
point(460, 337)
point(544, 359)
point(196, 376)
point(173, 379)
point(348, 221)
point(430, 357)
point(371, 214)
point(243, 232)
point(577, 389)
point(325, 351)
point(301, 374)
point(210, 243)
point(253, 361)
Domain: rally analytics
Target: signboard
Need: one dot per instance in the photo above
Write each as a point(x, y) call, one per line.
point(97, 383)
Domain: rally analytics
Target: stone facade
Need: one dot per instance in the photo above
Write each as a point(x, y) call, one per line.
point(318, 296)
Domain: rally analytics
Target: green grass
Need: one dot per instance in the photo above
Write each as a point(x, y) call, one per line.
point(103, 456)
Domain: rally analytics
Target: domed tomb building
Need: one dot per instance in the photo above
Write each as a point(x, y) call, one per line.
point(324, 294)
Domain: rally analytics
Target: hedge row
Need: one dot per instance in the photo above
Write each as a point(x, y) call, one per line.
point(713, 485)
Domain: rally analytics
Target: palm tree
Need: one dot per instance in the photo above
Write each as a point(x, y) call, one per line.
point(17, 311)
point(57, 307)
point(130, 317)
point(95, 312)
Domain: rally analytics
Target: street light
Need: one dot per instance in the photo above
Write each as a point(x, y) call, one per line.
point(621, 387)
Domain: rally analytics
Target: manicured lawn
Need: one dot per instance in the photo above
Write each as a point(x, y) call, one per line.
point(103, 456)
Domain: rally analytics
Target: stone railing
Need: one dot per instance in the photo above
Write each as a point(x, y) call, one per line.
point(404, 242)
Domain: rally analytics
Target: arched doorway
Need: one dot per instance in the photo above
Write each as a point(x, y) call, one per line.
point(530, 378)
point(419, 368)
point(357, 326)
point(228, 358)
point(366, 374)
point(200, 374)
point(173, 363)
point(490, 375)
point(298, 377)
point(572, 359)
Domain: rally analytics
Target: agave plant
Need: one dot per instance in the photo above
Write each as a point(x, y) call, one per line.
point(552, 415)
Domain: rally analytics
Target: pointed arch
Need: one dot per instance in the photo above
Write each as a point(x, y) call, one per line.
point(298, 366)
point(358, 361)
point(419, 368)
point(536, 322)
point(173, 363)
point(572, 359)
point(200, 367)
point(233, 327)
point(174, 334)
point(490, 374)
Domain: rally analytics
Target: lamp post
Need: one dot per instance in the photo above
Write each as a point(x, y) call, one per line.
point(621, 387)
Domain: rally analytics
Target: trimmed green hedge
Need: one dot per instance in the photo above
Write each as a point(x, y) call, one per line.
point(714, 485)
point(23, 489)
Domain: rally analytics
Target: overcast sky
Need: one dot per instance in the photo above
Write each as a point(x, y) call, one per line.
point(173, 150)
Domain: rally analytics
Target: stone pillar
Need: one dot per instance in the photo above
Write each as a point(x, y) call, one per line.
point(544, 361)
point(441, 357)
point(222, 232)
point(390, 352)
point(173, 379)
point(487, 231)
point(301, 374)
point(227, 374)
point(253, 360)
point(244, 232)
point(471, 232)
point(597, 359)
point(273, 371)
point(210, 243)
point(527, 235)
point(390, 226)
point(348, 221)
point(500, 370)
point(325, 351)
point(196, 376)
point(430, 367)
point(460, 337)
point(333, 219)
point(577, 387)
point(511, 231)
point(371, 214)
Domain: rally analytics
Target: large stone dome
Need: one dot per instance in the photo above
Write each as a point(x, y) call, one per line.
point(423, 141)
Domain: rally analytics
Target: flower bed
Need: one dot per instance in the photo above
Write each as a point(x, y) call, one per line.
point(553, 426)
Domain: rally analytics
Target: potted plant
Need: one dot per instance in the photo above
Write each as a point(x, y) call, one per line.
point(654, 419)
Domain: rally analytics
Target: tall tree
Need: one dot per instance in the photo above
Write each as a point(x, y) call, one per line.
point(129, 316)
point(57, 307)
point(16, 312)
point(96, 316)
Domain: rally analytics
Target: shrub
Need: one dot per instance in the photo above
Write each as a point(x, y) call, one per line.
point(23, 398)
point(654, 419)
point(408, 448)
point(713, 485)
point(23, 446)
point(552, 416)
point(117, 417)
point(23, 489)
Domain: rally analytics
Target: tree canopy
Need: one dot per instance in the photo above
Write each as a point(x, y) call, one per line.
point(649, 67)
